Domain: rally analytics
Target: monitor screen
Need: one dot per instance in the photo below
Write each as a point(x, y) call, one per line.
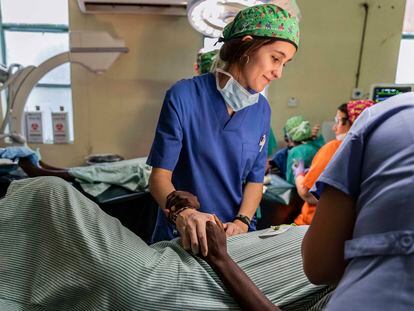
point(382, 92)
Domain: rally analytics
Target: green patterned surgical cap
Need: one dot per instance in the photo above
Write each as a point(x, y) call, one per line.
point(298, 129)
point(264, 20)
point(205, 61)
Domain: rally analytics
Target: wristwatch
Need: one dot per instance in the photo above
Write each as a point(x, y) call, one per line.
point(243, 218)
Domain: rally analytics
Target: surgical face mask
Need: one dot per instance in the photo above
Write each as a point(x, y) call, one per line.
point(341, 137)
point(235, 95)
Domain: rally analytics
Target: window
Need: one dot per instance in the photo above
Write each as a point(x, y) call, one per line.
point(30, 33)
point(405, 72)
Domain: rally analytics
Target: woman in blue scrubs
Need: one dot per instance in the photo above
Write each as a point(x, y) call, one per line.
point(209, 151)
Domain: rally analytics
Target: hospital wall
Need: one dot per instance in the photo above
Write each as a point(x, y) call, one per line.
point(323, 73)
point(117, 112)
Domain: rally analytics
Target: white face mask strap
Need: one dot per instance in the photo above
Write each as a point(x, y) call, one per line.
point(235, 95)
point(218, 70)
point(242, 88)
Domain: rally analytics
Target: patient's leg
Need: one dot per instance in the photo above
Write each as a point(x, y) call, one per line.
point(35, 171)
point(50, 167)
point(60, 251)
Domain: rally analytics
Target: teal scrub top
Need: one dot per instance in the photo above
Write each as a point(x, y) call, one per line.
point(272, 143)
point(305, 152)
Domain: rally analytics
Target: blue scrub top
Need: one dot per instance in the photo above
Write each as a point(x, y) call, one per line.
point(210, 153)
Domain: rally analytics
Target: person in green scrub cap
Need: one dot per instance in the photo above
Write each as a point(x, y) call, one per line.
point(302, 141)
point(305, 144)
point(205, 61)
point(298, 129)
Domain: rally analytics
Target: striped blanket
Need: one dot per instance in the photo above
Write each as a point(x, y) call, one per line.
point(60, 251)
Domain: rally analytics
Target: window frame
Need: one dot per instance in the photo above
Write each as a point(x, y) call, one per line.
point(408, 35)
point(34, 28)
point(37, 28)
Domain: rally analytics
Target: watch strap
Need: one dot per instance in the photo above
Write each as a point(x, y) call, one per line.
point(243, 218)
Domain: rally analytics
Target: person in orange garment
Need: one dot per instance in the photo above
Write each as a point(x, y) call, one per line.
point(345, 116)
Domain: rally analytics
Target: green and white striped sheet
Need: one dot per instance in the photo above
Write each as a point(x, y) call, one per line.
point(60, 251)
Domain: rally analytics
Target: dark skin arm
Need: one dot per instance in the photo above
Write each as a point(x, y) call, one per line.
point(323, 244)
point(33, 171)
point(241, 288)
point(190, 223)
point(50, 167)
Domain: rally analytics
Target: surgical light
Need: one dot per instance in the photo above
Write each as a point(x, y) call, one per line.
point(209, 17)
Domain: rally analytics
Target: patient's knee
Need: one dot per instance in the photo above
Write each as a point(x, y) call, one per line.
point(49, 184)
point(52, 180)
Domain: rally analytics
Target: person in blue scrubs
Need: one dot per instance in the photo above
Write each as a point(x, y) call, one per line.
point(365, 215)
point(210, 146)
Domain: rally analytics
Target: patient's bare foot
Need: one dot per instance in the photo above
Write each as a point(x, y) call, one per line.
point(34, 171)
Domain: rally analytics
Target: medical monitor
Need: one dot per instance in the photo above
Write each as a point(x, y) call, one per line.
point(380, 92)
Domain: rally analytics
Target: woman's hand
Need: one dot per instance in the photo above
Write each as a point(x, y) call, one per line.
point(216, 241)
point(191, 225)
point(235, 227)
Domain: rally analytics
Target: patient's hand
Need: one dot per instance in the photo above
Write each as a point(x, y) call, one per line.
point(191, 225)
point(235, 227)
point(216, 240)
point(179, 199)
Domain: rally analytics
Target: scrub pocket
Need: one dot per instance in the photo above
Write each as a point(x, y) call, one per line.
point(382, 244)
point(249, 154)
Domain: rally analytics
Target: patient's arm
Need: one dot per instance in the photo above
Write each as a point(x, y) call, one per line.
point(243, 290)
point(190, 223)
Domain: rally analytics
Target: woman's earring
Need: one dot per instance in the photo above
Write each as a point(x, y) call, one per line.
point(248, 58)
